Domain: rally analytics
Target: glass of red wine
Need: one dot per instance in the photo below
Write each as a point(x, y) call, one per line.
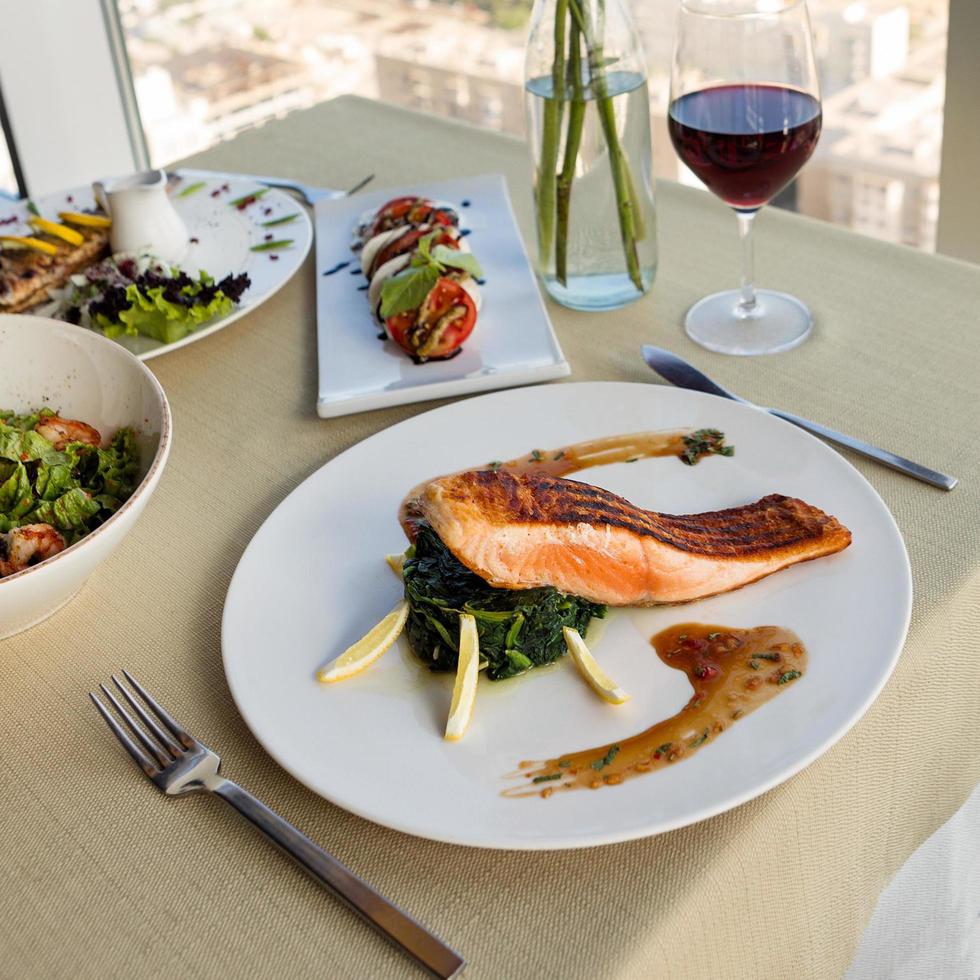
point(744, 117)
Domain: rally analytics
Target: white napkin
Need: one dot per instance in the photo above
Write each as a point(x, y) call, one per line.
point(926, 925)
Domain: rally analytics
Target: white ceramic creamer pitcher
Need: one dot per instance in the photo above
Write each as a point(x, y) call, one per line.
point(143, 217)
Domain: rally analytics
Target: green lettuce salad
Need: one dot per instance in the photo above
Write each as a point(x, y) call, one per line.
point(74, 489)
point(137, 294)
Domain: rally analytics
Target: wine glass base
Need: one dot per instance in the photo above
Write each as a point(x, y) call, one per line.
point(776, 323)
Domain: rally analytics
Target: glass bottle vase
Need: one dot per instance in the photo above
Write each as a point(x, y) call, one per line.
point(588, 123)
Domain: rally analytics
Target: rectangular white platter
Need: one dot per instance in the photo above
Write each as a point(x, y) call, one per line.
point(513, 342)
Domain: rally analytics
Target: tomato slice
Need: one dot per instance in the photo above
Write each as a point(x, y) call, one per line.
point(397, 207)
point(438, 328)
point(439, 216)
point(410, 211)
point(398, 328)
point(393, 214)
point(445, 238)
point(406, 243)
point(398, 246)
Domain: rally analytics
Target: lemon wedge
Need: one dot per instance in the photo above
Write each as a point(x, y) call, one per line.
point(20, 241)
point(366, 650)
point(467, 672)
point(85, 220)
point(63, 232)
point(598, 679)
point(396, 563)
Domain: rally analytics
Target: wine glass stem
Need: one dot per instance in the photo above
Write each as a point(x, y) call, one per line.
point(746, 303)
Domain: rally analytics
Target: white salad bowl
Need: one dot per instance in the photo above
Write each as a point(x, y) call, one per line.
point(80, 375)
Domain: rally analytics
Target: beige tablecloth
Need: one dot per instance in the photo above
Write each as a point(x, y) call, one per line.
point(100, 876)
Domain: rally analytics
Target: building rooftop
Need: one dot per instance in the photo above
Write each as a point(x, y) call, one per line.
point(217, 72)
point(893, 124)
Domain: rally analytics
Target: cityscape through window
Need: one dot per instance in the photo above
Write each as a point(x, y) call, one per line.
point(204, 70)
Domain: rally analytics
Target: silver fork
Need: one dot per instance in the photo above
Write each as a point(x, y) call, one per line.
point(307, 192)
point(177, 763)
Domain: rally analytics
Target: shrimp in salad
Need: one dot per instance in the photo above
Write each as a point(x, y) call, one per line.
point(60, 432)
point(24, 546)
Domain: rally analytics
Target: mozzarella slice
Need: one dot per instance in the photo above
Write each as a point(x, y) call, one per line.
point(378, 242)
point(374, 245)
point(473, 288)
point(391, 268)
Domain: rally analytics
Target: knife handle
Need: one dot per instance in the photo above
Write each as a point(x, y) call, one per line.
point(895, 462)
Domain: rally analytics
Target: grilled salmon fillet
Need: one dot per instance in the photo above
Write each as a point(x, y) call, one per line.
point(523, 530)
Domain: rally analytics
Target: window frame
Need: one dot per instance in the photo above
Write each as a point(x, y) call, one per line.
point(15, 164)
point(958, 229)
point(959, 205)
point(66, 127)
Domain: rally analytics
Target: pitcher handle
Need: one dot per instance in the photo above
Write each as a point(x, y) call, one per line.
point(101, 198)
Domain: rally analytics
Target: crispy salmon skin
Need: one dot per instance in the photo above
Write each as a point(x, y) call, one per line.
point(524, 530)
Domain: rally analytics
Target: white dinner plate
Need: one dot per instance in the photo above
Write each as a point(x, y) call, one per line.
point(314, 579)
point(221, 238)
point(513, 342)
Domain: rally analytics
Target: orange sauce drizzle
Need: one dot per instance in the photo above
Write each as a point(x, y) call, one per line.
point(732, 671)
point(597, 452)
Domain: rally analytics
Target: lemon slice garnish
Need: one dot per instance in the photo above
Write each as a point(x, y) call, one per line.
point(366, 650)
point(85, 220)
point(20, 241)
point(598, 679)
point(467, 672)
point(396, 563)
point(63, 232)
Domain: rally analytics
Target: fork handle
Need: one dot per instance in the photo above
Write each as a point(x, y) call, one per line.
point(282, 182)
point(397, 926)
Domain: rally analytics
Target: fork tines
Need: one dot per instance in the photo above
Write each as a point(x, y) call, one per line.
point(159, 742)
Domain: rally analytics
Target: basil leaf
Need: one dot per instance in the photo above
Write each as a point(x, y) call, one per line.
point(466, 261)
point(407, 290)
point(423, 247)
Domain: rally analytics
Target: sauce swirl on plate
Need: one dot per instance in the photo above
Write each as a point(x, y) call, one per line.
point(732, 671)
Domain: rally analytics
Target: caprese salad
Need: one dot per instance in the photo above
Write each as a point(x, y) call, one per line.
point(422, 276)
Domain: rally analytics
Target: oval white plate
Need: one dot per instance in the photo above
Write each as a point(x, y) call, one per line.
point(225, 236)
point(314, 579)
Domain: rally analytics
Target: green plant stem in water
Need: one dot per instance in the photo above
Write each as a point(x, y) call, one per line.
point(618, 164)
point(545, 186)
point(626, 201)
point(573, 140)
point(638, 223)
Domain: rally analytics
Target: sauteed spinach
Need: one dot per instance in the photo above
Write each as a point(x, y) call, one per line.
point(518, 629)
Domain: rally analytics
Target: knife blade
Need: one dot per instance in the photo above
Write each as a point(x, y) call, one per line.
point(679, 372)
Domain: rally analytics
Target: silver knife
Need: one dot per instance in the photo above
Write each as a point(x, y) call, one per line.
point(678, 372)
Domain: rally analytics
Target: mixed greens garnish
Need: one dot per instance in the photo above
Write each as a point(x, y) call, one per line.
point(137, 294)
